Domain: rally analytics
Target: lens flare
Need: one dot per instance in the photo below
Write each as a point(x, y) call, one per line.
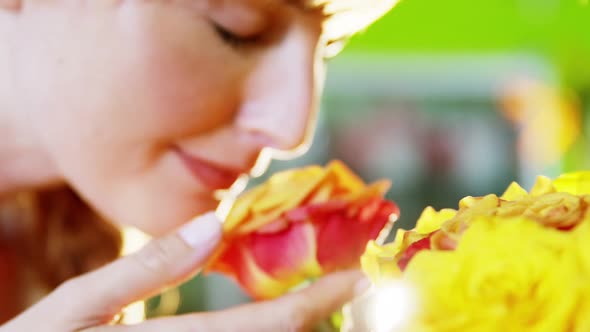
point(394, 305)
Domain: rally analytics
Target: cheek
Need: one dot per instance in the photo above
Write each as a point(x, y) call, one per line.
point(158, 75)
point(185, 81)
point(107, 93)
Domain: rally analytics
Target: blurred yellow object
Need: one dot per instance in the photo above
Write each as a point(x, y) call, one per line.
point(549, 122)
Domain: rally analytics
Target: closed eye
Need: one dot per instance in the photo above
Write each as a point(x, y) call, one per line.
point(232, 38)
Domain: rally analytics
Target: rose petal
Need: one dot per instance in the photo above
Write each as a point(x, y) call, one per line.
point(347, 179)
point(542, 186)
point(514, 192)
point(342, 240)
point(288, 255)
point(283, 192)
point(412, 250)
point(238, 263)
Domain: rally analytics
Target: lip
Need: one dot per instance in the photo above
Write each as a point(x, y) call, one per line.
point(213, 176)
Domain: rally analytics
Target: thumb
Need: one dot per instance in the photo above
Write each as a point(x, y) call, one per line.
point(163, 262)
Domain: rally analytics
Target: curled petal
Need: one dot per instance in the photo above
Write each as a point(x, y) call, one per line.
point(412, 250)
point(514, 192)
point(431, 220)
point(542, 186)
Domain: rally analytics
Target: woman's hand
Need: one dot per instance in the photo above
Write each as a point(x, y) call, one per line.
point(90, 302)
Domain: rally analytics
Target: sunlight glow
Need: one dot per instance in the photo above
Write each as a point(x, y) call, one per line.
point(224, 208)
point(349, 17)
point(394, 304)
point(133, 240)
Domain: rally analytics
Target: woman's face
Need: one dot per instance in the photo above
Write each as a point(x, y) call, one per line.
point(148, 107)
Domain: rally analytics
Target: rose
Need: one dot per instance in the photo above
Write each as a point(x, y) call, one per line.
point(385, 262)
point(515, 262)
point(561, 204)
point(507, 273)
point(300, 225)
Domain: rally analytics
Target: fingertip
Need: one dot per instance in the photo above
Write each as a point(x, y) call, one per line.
point(362, 285)
point(202, 232)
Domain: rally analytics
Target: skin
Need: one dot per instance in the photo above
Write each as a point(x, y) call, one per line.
point(154, 87)
point(101, 95)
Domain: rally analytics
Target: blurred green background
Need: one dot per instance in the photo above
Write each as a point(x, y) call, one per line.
point(448, 99)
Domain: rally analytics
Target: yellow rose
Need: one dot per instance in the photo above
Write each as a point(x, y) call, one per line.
point(507, 274)
point(520, 262)
point(561, 203)
point(383, 262)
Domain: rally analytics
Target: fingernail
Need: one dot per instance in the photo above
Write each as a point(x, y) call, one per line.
point(202, 231)
point(361, 286)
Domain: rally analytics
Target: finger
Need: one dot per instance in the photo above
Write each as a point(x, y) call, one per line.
point(295, 312)
point(161, 263)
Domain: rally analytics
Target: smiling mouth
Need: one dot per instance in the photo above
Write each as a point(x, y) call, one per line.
point(213, 176)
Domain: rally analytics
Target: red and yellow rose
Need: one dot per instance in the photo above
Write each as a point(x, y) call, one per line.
point(299, 225)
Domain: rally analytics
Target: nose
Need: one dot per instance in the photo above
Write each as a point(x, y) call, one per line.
point(280, 93)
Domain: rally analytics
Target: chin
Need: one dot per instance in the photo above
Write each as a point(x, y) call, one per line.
point(159, 214)
point(168, 219)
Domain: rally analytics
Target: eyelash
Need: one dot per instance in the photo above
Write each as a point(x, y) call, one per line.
point(232, 38)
